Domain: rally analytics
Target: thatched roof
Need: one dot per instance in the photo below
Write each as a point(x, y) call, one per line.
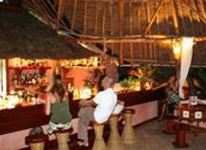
point(24, 36)
point(135, 30)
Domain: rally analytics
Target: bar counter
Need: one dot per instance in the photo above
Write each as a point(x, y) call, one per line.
point(19, 120)
point(22, 118)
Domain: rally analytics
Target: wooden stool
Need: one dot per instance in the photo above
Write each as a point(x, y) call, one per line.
point(37, 142)
point(115, 140)
point(180, 135)
point(62, 137)
point(128, 134)
point(99, 143)
point(170, 122)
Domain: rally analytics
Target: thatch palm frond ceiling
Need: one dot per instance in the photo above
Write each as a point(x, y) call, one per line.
point(135, 30)
point(124, 18)
point(24, 36)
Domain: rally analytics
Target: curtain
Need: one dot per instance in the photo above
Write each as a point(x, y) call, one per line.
point(186, 58)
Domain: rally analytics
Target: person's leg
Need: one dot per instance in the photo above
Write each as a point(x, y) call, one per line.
point(171, 108)
point(85, 117)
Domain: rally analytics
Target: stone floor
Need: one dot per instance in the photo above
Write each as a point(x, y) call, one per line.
point(151, 137)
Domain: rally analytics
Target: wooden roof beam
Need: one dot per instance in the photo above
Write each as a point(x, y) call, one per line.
point(200, 39)
point(121, 22)
point(123, 40)
point(74, 14)
point(124, 0)
point(121, 16)
point(59, 14)
point(42, 12)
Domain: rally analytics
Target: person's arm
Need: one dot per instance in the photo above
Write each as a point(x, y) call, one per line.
point(119, 107)
point(48, 105)
point(165, 84)
point(120, 102)
point(86, 103)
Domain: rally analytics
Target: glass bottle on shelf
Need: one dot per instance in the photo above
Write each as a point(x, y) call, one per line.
point(15, 79)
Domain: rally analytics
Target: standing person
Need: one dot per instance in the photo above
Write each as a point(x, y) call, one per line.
point(173, 94)
point(111, 65)
point(97, 109)
point(57, 106)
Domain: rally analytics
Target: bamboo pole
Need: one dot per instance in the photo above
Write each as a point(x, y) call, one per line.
point(131, 31)
point(121, 53)
point(59, 14)
point(103, 22)
point(153, 17)
point(150, 44)
point(111, 16)
point(96, 18)
point(51, 10)
point(127, 40)
point(45, 16)
point(121, 16)
point(174, 13)
point(156, 48)
point(121, 22)
point(85, 17)
point(74, 14)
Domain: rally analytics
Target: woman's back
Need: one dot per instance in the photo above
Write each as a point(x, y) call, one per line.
point(60, 112)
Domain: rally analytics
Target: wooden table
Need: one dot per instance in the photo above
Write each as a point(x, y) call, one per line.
point(187, 115)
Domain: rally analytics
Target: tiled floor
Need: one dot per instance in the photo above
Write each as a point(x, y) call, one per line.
point(151, 137)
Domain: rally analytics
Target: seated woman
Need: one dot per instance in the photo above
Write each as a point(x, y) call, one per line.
point(173, 98)
point(57, 106)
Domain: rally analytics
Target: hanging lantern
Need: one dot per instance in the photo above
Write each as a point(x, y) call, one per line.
point(177, 47)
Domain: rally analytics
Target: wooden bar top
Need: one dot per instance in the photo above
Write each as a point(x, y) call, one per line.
point(31, 116)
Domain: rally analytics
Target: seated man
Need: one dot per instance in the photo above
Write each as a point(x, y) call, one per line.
point(105, 102)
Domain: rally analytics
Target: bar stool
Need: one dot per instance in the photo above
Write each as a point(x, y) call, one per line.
point(115, 140)
point(99, 143)
point(37, 142)
point(170, 122)
point(128, 134)
point(180, 135)
point(62, 137)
